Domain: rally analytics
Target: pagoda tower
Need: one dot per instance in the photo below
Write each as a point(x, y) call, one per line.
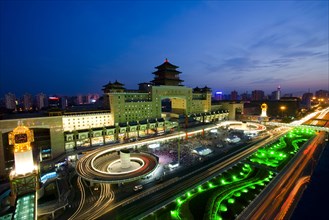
point(167, 75)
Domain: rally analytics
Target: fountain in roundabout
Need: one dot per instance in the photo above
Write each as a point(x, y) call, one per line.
point(125, 164)
point(105, 166)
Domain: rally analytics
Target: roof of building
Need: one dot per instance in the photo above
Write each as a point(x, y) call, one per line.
point(167, 65)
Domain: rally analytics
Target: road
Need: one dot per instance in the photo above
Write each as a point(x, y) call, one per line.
point(276, 201)
point(135, 207)
point(88, 210)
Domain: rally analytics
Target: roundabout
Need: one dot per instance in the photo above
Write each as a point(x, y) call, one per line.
point(110, 166)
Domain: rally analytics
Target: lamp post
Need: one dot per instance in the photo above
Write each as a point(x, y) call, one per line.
point(282, 108)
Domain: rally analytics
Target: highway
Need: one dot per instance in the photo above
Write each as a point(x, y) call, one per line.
point(275, 202)
point(287, 204)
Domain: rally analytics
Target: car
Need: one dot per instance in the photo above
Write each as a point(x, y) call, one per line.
point(138, 187)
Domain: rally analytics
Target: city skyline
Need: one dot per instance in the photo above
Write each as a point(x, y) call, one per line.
point(71, 48)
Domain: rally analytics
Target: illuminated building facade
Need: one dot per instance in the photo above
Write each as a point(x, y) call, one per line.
point(131, 114)
point(139, 105)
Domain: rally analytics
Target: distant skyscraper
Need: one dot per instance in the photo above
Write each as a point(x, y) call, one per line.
point(257, 95)
point(234, 95)
point(27, 102)
point(10, 101)
point(245, 96)
point(218, 95)
point(92, 98)
point(306, 99)
point(322, 95)
point(41, 101)
point(64, 102)
point(80, 99)
point(278, 93)
point(54, 102)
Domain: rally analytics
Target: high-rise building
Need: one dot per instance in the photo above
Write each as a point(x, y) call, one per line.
point(218, 95)
point(234, 95)
point(27, 102)
point(245, 96)
point(80, 99)
point(322, 95)
point(306, 99)
point(257, 95)
point(41, 101)
point(92, 98)
point(278, 93)
point(54, 102)
point(10, 101)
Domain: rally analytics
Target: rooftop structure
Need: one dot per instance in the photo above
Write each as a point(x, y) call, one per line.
point(167, 75)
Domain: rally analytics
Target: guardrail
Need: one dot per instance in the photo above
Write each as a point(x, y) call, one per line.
point(300, 126)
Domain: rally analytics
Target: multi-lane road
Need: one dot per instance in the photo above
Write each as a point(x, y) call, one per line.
point(277, 201)
point(88, 210)
point(159, 195)
point(134, 206)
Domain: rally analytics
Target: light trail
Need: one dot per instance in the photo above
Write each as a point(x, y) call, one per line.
point(272, 202)
point(85, 211)
point(286, 206)
point(82, 199)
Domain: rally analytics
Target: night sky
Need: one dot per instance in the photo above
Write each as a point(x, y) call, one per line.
point(76, 47)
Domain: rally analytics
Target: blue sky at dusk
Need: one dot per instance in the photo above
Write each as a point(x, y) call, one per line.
point(76, 47)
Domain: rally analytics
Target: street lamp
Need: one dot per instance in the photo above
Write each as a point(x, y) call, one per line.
point(282, 108)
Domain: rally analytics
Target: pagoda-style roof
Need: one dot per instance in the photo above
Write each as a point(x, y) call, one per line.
point(196, 89)
point(116, 86)
point(201, 90)
point(167, 74)
point(206, 89)
point(167, 65)
point(117, 83)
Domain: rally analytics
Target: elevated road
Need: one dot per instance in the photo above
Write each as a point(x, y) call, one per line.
point(136, 207)
point(93, 167)
point(277, 200)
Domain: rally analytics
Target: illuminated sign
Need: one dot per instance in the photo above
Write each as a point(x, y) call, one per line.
point(20, 138)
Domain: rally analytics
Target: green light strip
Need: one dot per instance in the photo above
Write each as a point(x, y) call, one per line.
point(228, 190)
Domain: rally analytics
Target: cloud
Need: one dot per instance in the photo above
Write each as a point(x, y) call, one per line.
point(233, 65)
point(301, 54)
point(268, 80)
point(280, 62)
point(314, 42)
point(271, 41)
